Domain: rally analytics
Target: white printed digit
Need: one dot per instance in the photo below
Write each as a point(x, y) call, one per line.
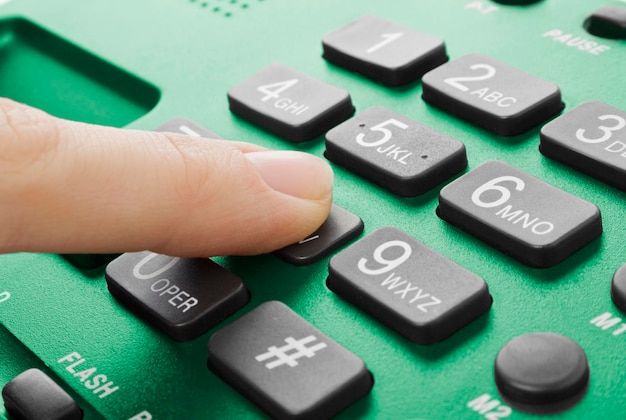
point(455, 81)
point(360, 138)
point(387, 265)
point(273, 90)
point(387, 38)
point(4, 296)
point(607, 130)
point(505, 193)
point(141, 276)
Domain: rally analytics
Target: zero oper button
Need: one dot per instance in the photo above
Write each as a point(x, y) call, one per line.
point(183, 297)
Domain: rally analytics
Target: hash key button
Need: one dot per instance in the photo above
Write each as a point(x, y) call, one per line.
point(522, 216)
point(291, 104)
point(590, 138)
point(286, 366)
point(183, 297)
point(491, 94)
point(409, 287)
point(384, 50)
point(395, 152)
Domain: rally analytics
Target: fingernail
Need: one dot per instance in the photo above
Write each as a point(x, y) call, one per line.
point(298, 174)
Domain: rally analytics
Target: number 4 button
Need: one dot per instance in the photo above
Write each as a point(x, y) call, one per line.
point(291, 104)
point(491, 94)
point(383, 50)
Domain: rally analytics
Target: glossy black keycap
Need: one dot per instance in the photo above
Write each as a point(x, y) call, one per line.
point(590, 138)
point(340, 227)
point(289, 103)
point(182, 297)
point(187, 126)
point(491, 94)
point(618, 288)
point(384, 51)
point(541, 372)
point(286, 366)
point(608, 22)
point(32, 395)
point(406, 285)
point(522, 216)
point(395, 152)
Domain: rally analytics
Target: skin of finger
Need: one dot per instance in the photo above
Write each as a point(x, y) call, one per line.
point(86, 189)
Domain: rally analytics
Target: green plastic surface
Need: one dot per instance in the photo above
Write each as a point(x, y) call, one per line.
point(169, 58)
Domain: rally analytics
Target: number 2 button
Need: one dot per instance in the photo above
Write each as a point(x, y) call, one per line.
point(491, 94)
point(395, 152)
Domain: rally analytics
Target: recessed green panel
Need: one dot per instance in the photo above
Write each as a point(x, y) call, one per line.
point(43, 70)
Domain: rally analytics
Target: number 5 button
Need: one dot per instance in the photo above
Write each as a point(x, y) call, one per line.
point(491, 94)
point(592, 139)
point(395, 152)
point(522, 216)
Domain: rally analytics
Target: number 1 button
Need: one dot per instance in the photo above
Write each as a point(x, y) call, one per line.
point(383, 50)
point(491, 94)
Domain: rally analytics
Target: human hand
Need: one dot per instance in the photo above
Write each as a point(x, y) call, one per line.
point(69, 187)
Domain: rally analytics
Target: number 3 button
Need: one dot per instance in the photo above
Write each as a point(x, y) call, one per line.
point(395, 152)
point(491, 94)
point(592, 139)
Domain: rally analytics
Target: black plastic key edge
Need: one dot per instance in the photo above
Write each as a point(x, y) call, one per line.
point(585, 164)
point(179, 332)
point(430, 333)
point(327, 408)
point(313, 128)
point(537, 257)
point(392, 77)
point(507, 126)
point(406, 186)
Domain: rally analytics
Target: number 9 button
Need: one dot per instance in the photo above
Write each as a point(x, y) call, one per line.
point(522, 216)
point(395, 152)
point(491, 94)
point(413, 289)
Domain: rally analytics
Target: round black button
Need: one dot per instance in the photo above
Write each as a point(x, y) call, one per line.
point(541, 372)
point(618, 288)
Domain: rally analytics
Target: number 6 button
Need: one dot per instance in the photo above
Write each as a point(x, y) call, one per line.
point(491, 94)
point(592, 139)
point(522, 216)
point(414, 290)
